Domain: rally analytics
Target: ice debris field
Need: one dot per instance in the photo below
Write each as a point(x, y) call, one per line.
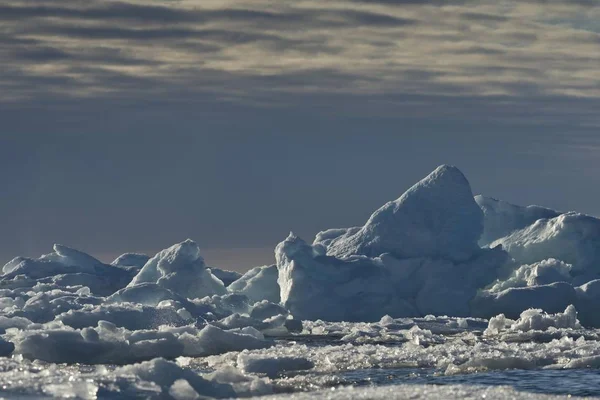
point(438, 295)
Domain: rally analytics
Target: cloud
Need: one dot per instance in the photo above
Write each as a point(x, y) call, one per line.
point(260, 54)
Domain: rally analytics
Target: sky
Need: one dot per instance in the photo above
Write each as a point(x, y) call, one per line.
point(133, 125)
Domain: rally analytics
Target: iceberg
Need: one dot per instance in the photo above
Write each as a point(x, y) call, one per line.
point(415, 256)
point(181, 269)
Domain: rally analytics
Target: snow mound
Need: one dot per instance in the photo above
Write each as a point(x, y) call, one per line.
point(573, 238)
point(502, 218)
point(258, 284)
point(181, 269)
point(437, 217)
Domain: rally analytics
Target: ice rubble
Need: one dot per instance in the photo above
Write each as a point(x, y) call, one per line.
point(69, 307)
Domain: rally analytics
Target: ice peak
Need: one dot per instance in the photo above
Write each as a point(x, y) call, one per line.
point(436, 217)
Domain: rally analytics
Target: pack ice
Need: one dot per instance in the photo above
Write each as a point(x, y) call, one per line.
point(434, 262)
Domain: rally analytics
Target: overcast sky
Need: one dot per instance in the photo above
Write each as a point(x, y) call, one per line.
point(129, 126)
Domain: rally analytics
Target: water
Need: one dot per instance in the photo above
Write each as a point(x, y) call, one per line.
point(582, 382)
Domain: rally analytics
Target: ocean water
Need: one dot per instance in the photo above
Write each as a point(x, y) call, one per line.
point(583, 382)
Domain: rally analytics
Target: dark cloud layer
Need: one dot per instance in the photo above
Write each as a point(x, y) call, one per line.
point(130, 125)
